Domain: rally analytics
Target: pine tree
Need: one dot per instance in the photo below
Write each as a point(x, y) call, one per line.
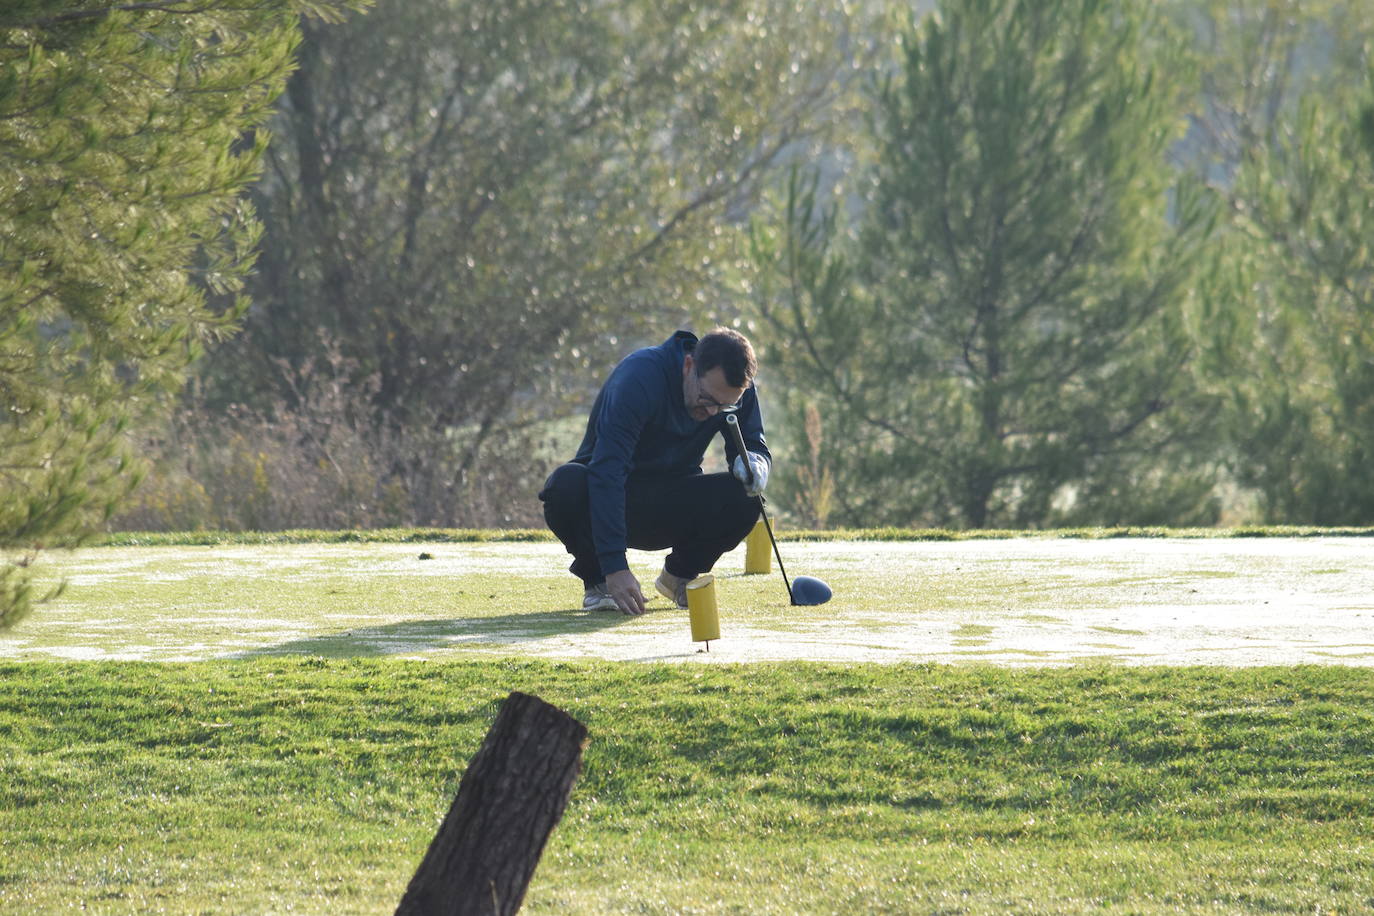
point(1286, 138)
point(997, 337)
point(1301, 363)
point(126, 133)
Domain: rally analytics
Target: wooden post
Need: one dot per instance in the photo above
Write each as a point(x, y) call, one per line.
point(510, 799)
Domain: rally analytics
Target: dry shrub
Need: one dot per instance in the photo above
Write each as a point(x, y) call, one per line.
point(322, 458)
point(815, 483)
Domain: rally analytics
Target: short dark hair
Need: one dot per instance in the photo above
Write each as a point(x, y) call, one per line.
point(731, 351)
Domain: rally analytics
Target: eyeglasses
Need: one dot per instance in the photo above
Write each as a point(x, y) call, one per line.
point(705, 400)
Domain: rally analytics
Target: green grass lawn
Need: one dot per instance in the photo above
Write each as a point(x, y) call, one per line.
point(313, 785)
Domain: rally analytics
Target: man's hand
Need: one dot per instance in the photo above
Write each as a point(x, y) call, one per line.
point(624, 588)
point(759, 465)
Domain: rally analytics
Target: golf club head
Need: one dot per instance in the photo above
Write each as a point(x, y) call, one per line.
point(809, 590)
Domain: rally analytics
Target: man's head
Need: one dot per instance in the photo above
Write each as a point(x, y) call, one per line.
point(717, 372)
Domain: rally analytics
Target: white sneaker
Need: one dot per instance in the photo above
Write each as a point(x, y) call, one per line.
point(598, 598)
point(672, 588)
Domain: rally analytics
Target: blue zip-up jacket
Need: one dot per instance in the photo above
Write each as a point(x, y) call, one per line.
point(640, 426)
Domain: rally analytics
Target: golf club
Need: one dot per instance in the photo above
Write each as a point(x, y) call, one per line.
point(806, 590)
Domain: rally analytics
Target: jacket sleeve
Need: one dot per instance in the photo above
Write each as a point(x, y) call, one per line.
point(627, 409)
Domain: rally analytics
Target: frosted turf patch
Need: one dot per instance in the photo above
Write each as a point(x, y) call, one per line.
point(1240, 601)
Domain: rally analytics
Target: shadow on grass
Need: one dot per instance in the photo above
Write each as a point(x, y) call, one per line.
point(420, 635)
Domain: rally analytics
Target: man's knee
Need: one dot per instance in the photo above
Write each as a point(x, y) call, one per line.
point(747, 515)
point(565, 491)
point(737, 510)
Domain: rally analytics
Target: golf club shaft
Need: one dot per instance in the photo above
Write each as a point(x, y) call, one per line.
point(733, 422)
point(772, 540)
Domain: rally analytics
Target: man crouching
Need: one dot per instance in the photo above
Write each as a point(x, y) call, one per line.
point(636, 480)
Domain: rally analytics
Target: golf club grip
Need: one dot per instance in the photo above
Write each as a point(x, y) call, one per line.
point(732, 421)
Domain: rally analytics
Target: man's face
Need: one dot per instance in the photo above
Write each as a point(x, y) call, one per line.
point(706, 395)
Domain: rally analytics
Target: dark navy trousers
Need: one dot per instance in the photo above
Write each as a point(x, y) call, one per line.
point(697, 517)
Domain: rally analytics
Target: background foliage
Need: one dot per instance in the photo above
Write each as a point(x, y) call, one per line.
point(472, 209)
point(1288, 144)
point(997, 338)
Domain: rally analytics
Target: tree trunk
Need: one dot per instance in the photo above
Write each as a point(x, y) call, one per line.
point(508, 803)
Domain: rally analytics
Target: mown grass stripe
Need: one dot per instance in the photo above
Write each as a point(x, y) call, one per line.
point(314, 785)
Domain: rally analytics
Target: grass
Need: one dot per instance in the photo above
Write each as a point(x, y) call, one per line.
point(306, 764)
point(470, 535)
point(1033, 601)
point(314, 785)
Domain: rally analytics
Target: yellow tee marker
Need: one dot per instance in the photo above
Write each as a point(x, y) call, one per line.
point(701, 609)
